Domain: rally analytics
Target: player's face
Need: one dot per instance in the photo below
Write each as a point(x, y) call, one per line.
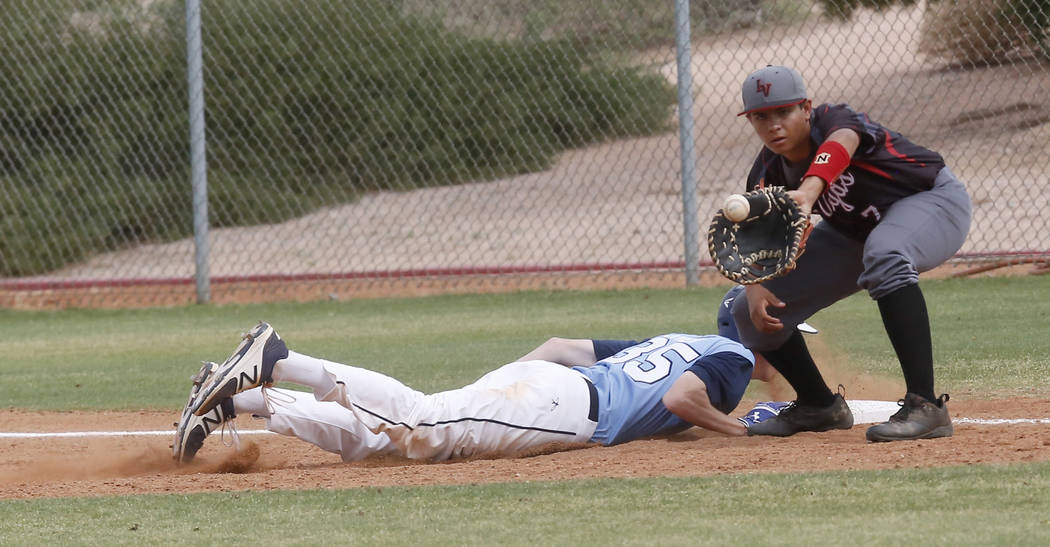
point(784, 130)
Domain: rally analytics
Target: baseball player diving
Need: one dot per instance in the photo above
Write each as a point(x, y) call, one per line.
point(565, 391)
point(890, 209)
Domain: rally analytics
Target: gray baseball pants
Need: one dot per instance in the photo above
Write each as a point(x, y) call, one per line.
point(916, 234)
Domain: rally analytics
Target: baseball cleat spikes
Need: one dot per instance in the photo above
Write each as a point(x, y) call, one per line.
point(250, 366)
point(207, 369)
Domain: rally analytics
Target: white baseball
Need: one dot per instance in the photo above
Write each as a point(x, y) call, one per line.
point(736, 208)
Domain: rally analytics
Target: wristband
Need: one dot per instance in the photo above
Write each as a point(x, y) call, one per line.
point(831, 160)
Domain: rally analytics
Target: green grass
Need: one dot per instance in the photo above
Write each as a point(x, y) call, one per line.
point(980, 505)
point(81, 359)
point(990, 340)
point(989, 335)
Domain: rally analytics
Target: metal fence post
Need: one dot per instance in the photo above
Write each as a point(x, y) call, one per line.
point(687, 143)
point(198, 159)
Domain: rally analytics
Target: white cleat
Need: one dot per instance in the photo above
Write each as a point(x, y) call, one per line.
point(250, 366)
point(191, 430)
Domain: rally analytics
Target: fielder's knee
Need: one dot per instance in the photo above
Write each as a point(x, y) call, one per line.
point(885, 272)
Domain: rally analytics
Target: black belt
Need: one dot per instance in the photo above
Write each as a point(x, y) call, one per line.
point(592, 414)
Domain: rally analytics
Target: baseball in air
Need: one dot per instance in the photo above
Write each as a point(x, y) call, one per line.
point(736, 208)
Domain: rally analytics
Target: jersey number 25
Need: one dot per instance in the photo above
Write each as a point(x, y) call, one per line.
point(649, 362)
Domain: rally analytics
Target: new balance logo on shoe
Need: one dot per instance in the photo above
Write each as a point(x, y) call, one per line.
point(250, 366)
point(248, 380)
point(212, 419)
point(191, 430)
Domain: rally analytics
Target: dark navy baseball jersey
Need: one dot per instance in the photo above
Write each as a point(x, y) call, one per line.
point(631, 384)
point(885, 168)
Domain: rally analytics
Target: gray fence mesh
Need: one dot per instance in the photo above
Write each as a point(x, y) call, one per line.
point(359, 147)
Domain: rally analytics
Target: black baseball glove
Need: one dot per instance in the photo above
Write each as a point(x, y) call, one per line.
point(764, 245)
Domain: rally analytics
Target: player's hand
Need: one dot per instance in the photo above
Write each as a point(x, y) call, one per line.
point(759, 300)
point(761, 412)
point(807, 194)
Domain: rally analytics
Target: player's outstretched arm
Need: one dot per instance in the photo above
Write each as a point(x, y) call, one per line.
point(831, 159)
point(571, 352)
point(688, 400)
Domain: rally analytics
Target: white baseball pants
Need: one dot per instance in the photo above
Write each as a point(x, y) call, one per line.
point(515, 407)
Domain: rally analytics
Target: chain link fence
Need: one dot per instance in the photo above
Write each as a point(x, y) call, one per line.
point(355, 147)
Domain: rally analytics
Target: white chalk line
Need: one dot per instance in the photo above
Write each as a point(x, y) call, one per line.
point(83, 434)
point(1001, 421)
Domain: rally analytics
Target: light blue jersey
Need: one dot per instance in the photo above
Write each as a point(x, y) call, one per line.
point(632, 383)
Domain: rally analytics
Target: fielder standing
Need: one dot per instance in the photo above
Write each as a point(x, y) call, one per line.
point(890, 208)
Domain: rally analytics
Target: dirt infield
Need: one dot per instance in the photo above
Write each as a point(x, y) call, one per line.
point(121, 465)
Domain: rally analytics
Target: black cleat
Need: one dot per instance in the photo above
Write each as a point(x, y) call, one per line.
point(796, 418)
point(917, 419)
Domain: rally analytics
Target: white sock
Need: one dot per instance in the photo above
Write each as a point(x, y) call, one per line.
point(305, 371)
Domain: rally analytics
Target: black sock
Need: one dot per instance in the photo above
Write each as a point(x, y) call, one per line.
point(793, 360)
point(908, 326)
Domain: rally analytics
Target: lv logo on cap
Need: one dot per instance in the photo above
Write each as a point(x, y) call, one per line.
point(763, 88)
